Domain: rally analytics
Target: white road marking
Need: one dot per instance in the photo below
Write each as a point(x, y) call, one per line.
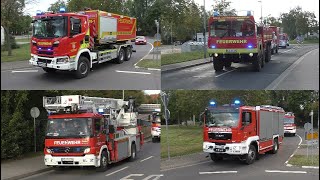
point(133, 72)
point(312, 167)
point(295, 150)
point(130, 175)
point(154, 69)
point(24, 71)
point(146, 158)
point(282, 76)
point(278, 171)
point(117, 171)
point(218, 172)
point(135, 65)
point(225, 73)
point(154, 177)
point(184, 166)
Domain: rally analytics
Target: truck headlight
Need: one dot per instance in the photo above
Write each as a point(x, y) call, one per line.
point(49, 150)
point(87, 150)
point(62, 60)
point(236, 148)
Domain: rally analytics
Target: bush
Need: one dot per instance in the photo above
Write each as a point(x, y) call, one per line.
point(13, 42)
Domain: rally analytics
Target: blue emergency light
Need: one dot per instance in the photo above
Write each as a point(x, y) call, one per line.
point(39, 12)
point(212, 103)
point(215, 13)
point(62, 10)
point(237, 102)
point(213, 47)
point(250, 46)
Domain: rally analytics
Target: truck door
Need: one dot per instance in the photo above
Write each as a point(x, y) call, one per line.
point(99, 134)
point(248, 124)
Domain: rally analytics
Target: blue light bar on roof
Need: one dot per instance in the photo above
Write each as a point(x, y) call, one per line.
point(62, 10)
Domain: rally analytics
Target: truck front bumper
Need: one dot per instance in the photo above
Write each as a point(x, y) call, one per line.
point(155, 134)
point(87, 160)
point(46, 62)
point(231, 149)
point(290, 131)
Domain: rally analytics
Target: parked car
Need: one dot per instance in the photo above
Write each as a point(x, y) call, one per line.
point(141, 40)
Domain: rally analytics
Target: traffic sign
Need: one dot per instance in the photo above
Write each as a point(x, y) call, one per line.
point(34, 112)
point(310, 137)
point(307, 127)
point(157, 36)
point(156, 43)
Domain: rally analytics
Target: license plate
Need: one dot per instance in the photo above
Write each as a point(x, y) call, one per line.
point(66, 159)
point(41, 64)
point(219, 150)
point(231, 50)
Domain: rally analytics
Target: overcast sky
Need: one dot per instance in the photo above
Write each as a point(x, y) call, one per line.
point(273, 7)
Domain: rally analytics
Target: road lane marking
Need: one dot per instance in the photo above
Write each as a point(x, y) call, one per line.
point(225, 73)
point(130, 175)
point(133, 72)
point(135, 65)
point(277, 81)
point(154, 176)
point(185, 166)
point(294, 151)
point(24, 71)
point(117, 171)
point(311, 167)
point(146, 158)
point(278, 171)
point(218, 172)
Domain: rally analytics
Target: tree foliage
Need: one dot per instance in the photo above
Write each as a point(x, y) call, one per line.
point(55, 7)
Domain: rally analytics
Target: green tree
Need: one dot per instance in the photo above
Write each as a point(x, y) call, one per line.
point(224, 8)
point(55, 7)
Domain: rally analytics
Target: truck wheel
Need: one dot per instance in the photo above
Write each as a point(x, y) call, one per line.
point(215, 157)
point(83, 67)
point(257, 63)
point(133, 152)
point(217, 65)
point(103, 162)
point(49, 70)
point(294, 134)
point(128, 54)
point(272, 51)
point(252, 155)
point(277, 49)
point(121, 55)
point(275, 146)
point(227, 64)
point(269, 54)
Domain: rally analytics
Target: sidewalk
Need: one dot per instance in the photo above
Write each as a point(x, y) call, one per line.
point(183, 65)
point(15, 65)
point(17, 169)
point(186, 160)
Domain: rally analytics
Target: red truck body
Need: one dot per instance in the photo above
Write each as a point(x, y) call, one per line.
point(238, 39)
point(242, 131)
point(290, 127)
point(275, 39)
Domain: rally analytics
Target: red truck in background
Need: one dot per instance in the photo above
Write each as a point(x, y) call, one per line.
point(283, 40)
point(238, 39)
point(156, 127)
point(275, 39)
point(76, 41)
point(90, 131)
point(239, 131)
point(290, 127)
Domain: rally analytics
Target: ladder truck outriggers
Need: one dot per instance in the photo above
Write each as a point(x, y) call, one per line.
point(244, 132)
point(90, 131)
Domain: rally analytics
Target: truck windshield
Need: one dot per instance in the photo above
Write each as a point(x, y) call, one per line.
point(229, 119)
point(73, 127)
point(232, 28)
point(287, 120)
point(53, 27)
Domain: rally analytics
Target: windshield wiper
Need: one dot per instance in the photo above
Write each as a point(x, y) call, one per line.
point(224, 34)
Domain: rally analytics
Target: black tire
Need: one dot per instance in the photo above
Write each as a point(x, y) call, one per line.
point(83, 67)
point(272, 51)
point(49, 70)
point(277, 49)
point(121, 56)
point(257, 64)
point(268, 54)
point(294, 134)
point(275, 146)
point(217, 65)
point(216, 157)
point(252, 155)
point(227, 64)
point(128, 53)
point(103, 162)
point(153, 140)
point(133, 152)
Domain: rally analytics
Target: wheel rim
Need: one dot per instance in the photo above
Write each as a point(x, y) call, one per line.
point(275, 146)
point(121, 55)
point(83, 68)
point(104, 161)
point(251, 155)
point(129, 53)
point(133, 153)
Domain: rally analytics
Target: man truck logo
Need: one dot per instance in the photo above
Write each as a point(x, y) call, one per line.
point(66, 142)
point(232, 41)
point(218, 129)
point(44, 43)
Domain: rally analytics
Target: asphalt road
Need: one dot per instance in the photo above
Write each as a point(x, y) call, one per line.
point(294, 68)
point(107, 76)
point(145, 167)
point(270, 166)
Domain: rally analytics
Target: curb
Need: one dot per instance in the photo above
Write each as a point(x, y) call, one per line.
point(305, 167)
point(184, 67)
point(150, 69)
point(29, 174)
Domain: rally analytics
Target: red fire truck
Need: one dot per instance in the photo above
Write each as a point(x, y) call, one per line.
point(90, 131)
point(290, 127)
point(238, 39)
point(275, 39)
point(77, 41)
point(244, 132)
point(156, 127)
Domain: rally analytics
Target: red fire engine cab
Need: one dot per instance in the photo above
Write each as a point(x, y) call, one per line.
point(235, 39)
point(156, 127)
point(90, 131)
point(275, 39)
point(290, 127)
point(242, 131)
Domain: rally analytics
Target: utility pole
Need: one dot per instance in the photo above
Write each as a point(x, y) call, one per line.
point(204, 30)
point(261, 11)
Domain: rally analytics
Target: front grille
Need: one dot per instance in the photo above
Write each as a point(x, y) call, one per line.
point(67, 149)
point(44, 60)
point(220, 136)
point(46, 52)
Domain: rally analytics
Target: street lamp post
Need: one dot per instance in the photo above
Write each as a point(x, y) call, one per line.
point(261, 11)
point(204, 30)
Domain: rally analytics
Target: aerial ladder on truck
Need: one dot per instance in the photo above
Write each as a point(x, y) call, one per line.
point(112, 123)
